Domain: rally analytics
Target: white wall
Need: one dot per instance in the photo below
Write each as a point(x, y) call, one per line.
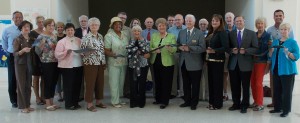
point(59, 10)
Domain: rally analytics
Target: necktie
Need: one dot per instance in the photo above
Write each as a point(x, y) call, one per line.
point(239, 39)
point(148, 36)
point(188, 35)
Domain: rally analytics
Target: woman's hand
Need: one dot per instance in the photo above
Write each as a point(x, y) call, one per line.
point(26, 49)
point(69, 51)
point(157, 51)
point(147, 55)
point(210, 50)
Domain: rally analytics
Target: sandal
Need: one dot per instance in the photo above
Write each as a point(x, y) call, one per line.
point(100, 105)
point(92, 109)
point(209, 106)
point(31, 109)
point(56, 107)
point(50, 108)
point(25, 111)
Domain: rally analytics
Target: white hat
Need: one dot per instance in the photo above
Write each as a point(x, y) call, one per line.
point(115, 19)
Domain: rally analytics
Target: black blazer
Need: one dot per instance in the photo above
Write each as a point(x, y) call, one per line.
point(78, 32)
point(220, 43)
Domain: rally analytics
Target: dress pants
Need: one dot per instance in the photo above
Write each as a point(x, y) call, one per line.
point(191, 85)
point(50, 73)
point(240, 79)
point(138, 86)
point(94, 82)
point(12, 82)
point(24, 80)
point(116, 78)
point(257, 78)
point(72, 78)
point(283, 90)
point(215, 83)
point(163, 81)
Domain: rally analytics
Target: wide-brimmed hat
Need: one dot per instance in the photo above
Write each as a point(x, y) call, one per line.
point(115, 19)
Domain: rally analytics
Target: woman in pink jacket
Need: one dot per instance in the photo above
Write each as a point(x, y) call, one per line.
point(70, 64)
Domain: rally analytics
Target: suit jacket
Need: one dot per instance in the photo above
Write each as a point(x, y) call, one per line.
point(249, 43)
point(219, 42)
point(193, 58)
point(167, 57)
point(78, 32)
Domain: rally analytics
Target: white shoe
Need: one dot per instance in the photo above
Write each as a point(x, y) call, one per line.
point(117, 105)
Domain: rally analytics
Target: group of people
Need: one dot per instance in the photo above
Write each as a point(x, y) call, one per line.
point(200, 61)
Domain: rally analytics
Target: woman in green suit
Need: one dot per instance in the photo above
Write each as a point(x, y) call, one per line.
point(163, 62)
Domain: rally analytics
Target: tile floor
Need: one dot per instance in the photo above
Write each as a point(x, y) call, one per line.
point(150, 114)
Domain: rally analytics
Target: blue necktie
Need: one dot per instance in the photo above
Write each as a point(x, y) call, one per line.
point(239, 39)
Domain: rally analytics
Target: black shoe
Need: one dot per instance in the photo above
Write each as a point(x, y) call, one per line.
point(233, 107)
point(163, 106)
point(172, 96)
point(156, 103)
point(284, 114)
point(77, 106)
point(142, 106)
point(184, 105)
point(193, 107)
point(14, 105)
point(275, 111)
point(243, 110)
point(71, 108)
point(133, 105)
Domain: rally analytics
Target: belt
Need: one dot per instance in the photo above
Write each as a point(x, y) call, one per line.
point(214, 60)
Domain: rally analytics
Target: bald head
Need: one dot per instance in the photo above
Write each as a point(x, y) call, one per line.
point(149, 23)
point(179, 20)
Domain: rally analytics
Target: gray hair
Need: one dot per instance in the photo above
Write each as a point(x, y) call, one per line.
point(82, 17)
point(229, 14)
point(38, 17)
point(261, 19)
point(94, 20)
point(192, 16)
point(136, 27)
point(203, 20)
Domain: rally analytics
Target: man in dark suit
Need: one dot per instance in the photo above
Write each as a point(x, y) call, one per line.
point(83, 29)
point(243, 43)
point(190, 61)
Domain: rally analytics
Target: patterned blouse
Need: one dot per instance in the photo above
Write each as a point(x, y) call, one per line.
point(136, 50)
point(91, 41)
point(118, 46)
point(46, 52)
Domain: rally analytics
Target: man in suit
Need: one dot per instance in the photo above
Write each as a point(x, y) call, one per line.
point(80, 32)
point(190, 60)
point(243, 43)
point(83, 29)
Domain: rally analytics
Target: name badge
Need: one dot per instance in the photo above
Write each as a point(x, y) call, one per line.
point(194, 41)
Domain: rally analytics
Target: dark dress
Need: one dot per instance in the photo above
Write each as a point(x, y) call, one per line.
point(35, 59)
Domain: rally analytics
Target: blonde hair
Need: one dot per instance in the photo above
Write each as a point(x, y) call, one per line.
point(285, 25)
point(136, 27)
point(60, 24)
point(261, 19)
point(48, 21)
